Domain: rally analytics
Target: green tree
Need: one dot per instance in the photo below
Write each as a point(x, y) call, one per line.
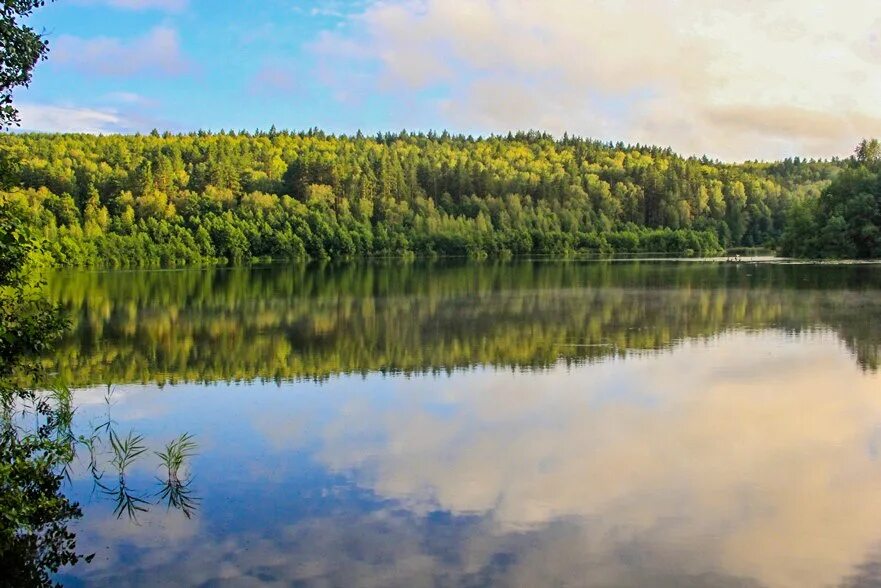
point(846, 217)
point(868, 151)
point(34, 538)
point(21, 48)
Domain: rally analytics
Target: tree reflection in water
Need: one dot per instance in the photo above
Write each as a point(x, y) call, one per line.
point(297, 322)
point(318, 321)
point(38, 442)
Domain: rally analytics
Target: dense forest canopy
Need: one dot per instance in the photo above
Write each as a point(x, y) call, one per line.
point(845, 221)
point(201, 197)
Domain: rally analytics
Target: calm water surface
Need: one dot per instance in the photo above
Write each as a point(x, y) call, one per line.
point(525, 424)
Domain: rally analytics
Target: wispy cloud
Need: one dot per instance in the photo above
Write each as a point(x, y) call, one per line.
point(164, 5)
point(70, 119)
point(117, 112)
point(272, 79)
point(158, 53)
point(130, 99)
point(339, 9)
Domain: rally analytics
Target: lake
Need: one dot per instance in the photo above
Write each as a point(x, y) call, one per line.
point(522, 423)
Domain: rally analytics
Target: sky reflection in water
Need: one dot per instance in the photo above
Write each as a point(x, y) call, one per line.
point(751, 457)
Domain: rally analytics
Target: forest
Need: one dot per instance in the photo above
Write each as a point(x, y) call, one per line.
point(845, 221)
point(232, 197)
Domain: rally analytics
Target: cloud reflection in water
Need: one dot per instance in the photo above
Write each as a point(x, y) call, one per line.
point(741, 460)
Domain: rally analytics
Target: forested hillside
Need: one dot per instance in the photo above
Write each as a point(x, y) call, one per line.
point(198, 198)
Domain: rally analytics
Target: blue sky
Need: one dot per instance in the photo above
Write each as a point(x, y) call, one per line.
point(735, 79)
point(188, 65)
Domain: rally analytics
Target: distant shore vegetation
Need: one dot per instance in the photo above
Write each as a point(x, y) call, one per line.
point(232, 197)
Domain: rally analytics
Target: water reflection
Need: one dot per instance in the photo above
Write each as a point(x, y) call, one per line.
point(750, 460)
point(313, 322)
point(111, 456)
point(746, 453)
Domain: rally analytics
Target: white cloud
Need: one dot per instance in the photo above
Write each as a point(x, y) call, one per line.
point(733, 78)
point(127, 113)
point(165, 5)
point(68, 119)
point(157, 53)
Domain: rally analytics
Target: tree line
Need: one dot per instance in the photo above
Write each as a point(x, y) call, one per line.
point(165, 200)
